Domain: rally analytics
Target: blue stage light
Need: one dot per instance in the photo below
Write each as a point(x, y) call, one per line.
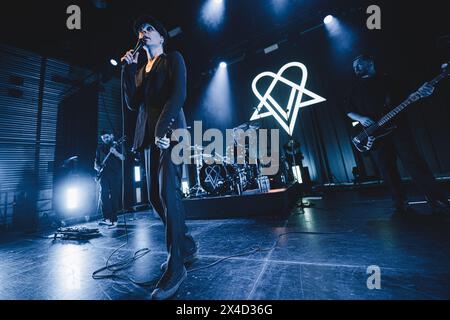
point(212, 13)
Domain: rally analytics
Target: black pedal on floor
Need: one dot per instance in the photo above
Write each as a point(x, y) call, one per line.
point(76, 233)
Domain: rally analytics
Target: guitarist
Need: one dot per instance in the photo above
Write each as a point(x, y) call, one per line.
point(157, 91)
point(372, 97)
point(110, 180)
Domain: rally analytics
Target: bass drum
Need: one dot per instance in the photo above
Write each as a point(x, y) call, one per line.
point(217, 179)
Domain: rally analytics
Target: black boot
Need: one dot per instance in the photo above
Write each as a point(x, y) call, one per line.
point(188, 259)
point(168, 284)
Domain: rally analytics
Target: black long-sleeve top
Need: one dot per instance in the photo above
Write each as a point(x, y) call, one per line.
point(374, 97)
point(158, 96)
point(112, 165)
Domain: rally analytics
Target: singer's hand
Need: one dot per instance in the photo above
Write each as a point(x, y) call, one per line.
point(128, 57)
point(162, 143)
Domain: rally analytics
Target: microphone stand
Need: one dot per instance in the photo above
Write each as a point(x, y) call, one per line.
point(138, 46)
point(302, 205)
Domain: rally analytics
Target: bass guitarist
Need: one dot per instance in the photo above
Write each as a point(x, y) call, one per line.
point(372, 97)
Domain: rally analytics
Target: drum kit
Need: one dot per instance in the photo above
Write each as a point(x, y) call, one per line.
point(219, 175)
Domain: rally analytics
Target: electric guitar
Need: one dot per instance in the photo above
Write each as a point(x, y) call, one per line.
point(366, 138)
point(168, 134)
point(169, 131)
point(103, 164)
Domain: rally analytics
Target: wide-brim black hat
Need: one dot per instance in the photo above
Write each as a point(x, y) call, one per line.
point(106, 131)
point(141, 20)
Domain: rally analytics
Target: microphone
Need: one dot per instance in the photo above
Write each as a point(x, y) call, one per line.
point(138, 47)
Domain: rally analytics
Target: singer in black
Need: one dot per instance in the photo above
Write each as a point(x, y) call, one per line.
point(372, 97)
point(157, 91)
point(110, 177)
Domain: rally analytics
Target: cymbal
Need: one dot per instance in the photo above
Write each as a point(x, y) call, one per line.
point(255, 126)
point(201, 155)
point(68, 161)
point(249, 125)
point(71, 159)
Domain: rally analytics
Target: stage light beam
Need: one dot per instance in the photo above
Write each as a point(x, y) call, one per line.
point(212, 13)
point(280, 6)
point(342, 38)
point(218, 110)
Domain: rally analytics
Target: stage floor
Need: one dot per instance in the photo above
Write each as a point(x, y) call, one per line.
point(343, 234)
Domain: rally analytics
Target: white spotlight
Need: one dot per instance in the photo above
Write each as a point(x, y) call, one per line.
point(138, 195)
point(113, 62)
point(223, 64)
point(328, 19)
point(271, 48)
point(297, 173)
point(137, 174)
point(185, 187)
point(72, 198)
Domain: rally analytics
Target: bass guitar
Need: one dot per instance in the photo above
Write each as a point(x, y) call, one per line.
point(366, 138)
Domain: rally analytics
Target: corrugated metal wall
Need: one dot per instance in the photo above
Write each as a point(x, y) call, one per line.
point(20, 77)
point(109, 108)
point(31, 89)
